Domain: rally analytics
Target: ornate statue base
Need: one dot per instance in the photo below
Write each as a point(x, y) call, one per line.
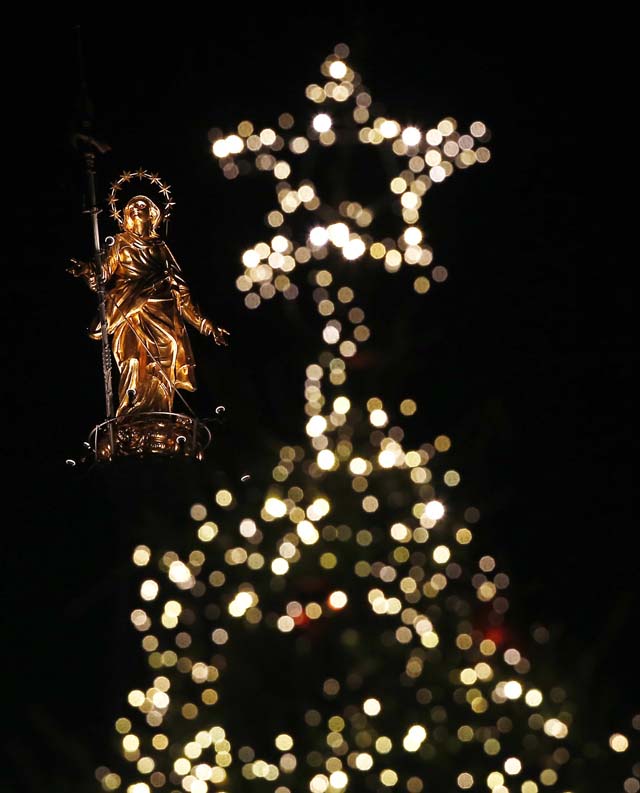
point(149, 434)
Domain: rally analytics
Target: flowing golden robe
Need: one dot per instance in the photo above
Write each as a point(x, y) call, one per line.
point(147, 300)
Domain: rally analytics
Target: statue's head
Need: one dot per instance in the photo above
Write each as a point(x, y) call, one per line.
point(139, 212)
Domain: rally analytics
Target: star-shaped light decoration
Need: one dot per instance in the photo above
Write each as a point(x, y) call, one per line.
point(423, 157)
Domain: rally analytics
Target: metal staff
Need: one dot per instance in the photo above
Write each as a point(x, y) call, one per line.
point(89, 145)
point(99, 276)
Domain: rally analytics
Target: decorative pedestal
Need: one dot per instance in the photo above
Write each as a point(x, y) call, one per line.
point(150, 434)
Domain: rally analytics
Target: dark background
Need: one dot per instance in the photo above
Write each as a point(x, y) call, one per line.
point(522, 356)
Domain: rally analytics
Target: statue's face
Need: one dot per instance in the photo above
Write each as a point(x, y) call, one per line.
point(141, 215)
point(139, 209)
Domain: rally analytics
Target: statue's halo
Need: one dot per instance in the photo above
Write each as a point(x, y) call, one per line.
point(141, 174)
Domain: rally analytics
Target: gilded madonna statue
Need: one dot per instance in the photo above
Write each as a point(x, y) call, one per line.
point(146, 305)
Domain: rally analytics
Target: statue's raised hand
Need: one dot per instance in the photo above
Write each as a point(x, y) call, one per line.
point(219, 334)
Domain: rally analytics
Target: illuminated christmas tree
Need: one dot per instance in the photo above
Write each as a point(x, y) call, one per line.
point(339, 626)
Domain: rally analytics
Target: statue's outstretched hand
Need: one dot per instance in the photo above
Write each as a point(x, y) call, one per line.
point(219, 335)
point(209, 329)
point(82, 269)
point(76, 268)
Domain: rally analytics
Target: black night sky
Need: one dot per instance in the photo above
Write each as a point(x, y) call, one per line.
point(522, 356)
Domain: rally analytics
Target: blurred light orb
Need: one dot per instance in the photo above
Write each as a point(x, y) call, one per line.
point(322, 122)
point(318, 236)
point(326, 459)
point(413, 236)
point(619, 742)
point(512, 766)
point(307, 532)
point(512, 689)
point(234, 144)
point(149, 589)
point(220, 148)
point(533, 697)
point(434, 510)
point(275, 507)
point(364, 761)
point(251, 258)
point(358, 466)
point(179, 573)
point(411, 136)
point(338, 780)
point(279, 243)
point(378, 418)
point(354, 249)
point(338, 234)
point(372, 707)
point(338, 600)
point(389, 128)
point(316, 426)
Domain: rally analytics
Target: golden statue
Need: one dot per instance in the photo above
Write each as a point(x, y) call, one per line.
point(146, 304)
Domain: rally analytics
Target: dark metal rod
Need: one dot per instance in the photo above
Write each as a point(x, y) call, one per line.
point(97, 259)
point(89, 145)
